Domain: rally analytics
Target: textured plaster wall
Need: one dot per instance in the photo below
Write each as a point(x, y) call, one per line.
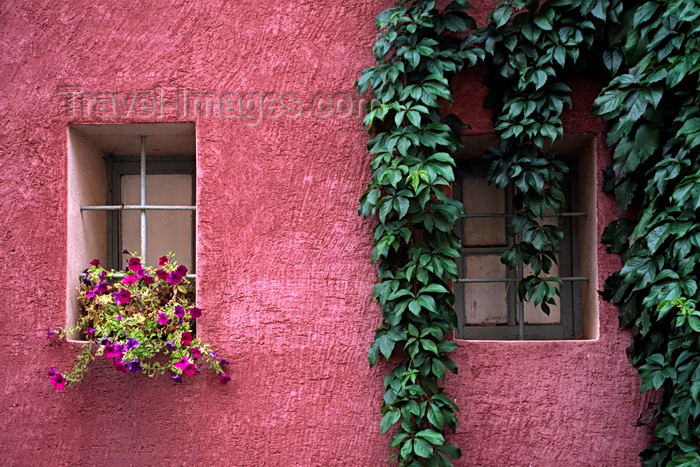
point(283, 270)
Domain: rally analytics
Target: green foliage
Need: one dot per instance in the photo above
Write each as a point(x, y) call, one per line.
point(649, 52)
point(417, 50)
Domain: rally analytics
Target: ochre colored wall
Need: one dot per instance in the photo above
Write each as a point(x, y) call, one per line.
point(283, 258)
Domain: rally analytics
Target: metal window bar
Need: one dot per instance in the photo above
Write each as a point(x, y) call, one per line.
point(143, 207)
point(561, 214)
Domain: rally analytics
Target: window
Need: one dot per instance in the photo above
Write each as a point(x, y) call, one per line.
point(130, 186)
point(487, 301)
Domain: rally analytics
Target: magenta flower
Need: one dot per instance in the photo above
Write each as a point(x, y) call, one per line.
point(186, 338)
point(182, 270)
point(195, 313)
point(130, 280)
point(118, 317)
point(174, 278)
point(120, 366)
point(115, 350)
point(182, 364)
point(223, 379)
point(90, 294)
point(162, 274)
point(162, 319)
point(148, 280)
point(190, 370)
point(58, 381)
point(101, 287)
point(179, 311)
point(91, 332)
point(103, 274)
point(196, 353)
point(125, 251)
point(163, 260)
point(134, 263)
point(122, 297)
point(95, 262)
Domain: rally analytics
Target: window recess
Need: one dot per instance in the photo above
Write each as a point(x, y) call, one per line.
point(487, 302)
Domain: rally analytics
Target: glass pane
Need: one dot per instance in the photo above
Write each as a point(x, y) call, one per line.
point(485, 303)
point(165, 230)
point(534, 314)
point(481, 198)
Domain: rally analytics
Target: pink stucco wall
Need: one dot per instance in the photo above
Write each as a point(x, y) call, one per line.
point(283, 270)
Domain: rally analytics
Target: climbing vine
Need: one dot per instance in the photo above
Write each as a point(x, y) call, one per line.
point(650, 54)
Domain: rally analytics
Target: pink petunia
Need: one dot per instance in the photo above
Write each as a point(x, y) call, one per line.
point(182, 270)
point(120, 366)
point(186, 338)
point(174, 278)
point(163, 260)
point(195, 312)
point(134, 263)
point(58, 381)
point(162, 274)
point(162, 319)
point(122, 297)
point(223, 379)
point(130, 280)
point(95, 262)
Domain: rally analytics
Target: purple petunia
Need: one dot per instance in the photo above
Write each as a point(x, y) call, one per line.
point(174, 278)
point(101, 287)
point(170, 344)
point(115, 350)
point(122, 296)
point(49, 333)
point(131, 343)
point(162, 318)
point(176, 378)
point(179, 311)
point(130, 280)
point(52, 371)
point(223, 379)
point(91, 332)
point(195, 312)
point(134, 263)
point(134, 366)
point(103, 274)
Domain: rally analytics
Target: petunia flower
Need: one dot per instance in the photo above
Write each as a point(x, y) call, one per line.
point(196, 353)
point(130, 280)
point(90, 294)
point(49, 333)
point(118, 317)
point(186, 338)
point(103, 274)
point(176, 378)
point(163, 260)
point(190, 370)
point(115, 350)
point(122, 297)
point(195, 312)
point(91, 332)
point(162, 318)
point(52, 371)
point(148, 280)
point(120, 366)
point(59, 382)
point(101, 287)
point(174, 278)
point(105, 341)
point(179, 311)
point(182, 270)
point(212, 354)
point(86, 280)
point(223, 379)
point(135, 263)
point(95, 262)
point(162, 274)
point(170, 344)
point(131, 343)
point(125, 251)
point(134, 366)
point(223, 361)
point(182, 363)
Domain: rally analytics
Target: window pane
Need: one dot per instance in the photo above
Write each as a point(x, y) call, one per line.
point(485, 303)
point(481, 198)
point(165, 230)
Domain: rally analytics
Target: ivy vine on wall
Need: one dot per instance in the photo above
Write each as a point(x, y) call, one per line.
point(650, 54)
